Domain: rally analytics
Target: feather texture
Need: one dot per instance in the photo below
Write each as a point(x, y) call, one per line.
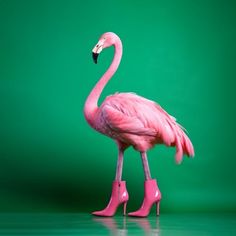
point(142, 123)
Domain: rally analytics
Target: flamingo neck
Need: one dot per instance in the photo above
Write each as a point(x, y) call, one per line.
point(91, 104)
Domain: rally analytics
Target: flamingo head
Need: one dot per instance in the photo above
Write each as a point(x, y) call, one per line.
point(106, 40)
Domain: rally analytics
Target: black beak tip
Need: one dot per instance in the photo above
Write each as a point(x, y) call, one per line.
point(95, 57)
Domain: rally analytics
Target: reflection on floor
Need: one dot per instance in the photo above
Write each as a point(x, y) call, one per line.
point(129, 225)
point(85, 224)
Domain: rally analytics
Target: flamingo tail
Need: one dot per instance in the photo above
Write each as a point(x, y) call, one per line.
point(183, 146)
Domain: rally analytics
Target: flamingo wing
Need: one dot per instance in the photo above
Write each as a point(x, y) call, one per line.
point(130, 113)
point(118, 121)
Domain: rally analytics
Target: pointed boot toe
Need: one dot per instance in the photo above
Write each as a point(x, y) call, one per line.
point(101, 213)
point(136, 214)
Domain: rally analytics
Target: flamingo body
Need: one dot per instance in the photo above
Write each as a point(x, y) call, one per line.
point(135, 121)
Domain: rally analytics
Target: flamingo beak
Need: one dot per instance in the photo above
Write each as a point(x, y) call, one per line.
point(95, 57)
point(97, 49)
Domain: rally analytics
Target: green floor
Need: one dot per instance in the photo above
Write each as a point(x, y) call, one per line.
point(85, 224)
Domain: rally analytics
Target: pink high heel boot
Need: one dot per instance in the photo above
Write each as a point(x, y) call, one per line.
point(152, 195)
point(119, 195)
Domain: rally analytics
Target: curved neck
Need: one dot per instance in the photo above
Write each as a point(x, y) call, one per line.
point(91, 104)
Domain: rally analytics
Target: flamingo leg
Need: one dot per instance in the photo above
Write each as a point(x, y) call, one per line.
point(145, 166)
point(119, 166)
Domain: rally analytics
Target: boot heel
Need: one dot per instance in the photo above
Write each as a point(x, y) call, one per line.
point(158, 208)
point(124, 209)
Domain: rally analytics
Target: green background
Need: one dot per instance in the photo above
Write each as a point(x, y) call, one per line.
point(181, 54)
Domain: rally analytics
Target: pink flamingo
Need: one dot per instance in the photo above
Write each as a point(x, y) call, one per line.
point(132, 120)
